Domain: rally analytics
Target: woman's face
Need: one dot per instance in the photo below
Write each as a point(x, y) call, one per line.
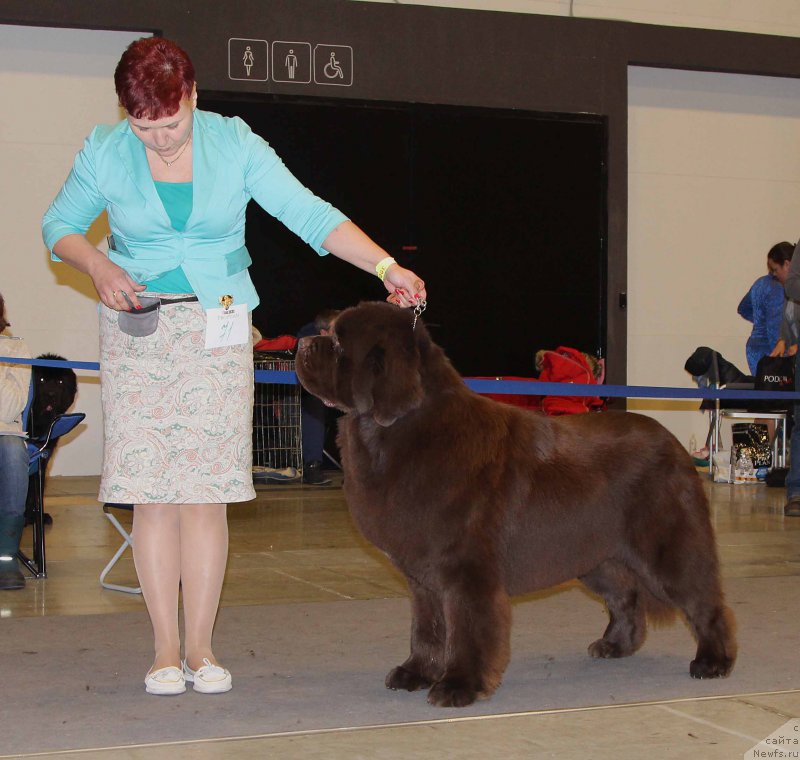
point(166, 136)
point(779, 271)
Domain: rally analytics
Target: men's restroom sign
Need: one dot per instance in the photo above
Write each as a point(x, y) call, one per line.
point(291, 62)
point(248, 59)
point(333, 64)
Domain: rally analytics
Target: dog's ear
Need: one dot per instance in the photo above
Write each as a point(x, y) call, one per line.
point(387, 385)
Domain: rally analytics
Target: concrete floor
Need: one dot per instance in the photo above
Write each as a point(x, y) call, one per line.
point(296, 544)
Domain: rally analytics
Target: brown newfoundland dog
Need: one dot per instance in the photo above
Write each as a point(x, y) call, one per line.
point(475, 501)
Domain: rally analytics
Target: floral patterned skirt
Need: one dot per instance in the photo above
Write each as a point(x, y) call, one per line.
point(177, 417)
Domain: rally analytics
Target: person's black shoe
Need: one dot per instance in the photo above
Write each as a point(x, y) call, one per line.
point(792, 508)
point(314, 476)
point(10, 576)
point(47, 518)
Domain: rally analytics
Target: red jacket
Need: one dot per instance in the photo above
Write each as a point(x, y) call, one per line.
point(568, 365)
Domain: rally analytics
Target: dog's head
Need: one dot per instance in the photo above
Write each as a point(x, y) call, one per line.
point(370, 365)
point(54, 390)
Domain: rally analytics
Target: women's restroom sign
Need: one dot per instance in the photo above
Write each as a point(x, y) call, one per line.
point(248, 59)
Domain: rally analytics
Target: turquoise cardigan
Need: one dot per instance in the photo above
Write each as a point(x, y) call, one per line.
point(230, 165)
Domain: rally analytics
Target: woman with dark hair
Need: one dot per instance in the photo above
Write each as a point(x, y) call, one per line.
point(763, 305)
point(176, 361)
point(15, 385)
point(766, 307)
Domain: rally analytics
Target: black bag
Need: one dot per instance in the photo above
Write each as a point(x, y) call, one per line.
point(751, 440)
point(776, 477)
point(775, 373)
point(712, 367)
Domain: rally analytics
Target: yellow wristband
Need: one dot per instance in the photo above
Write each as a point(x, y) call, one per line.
point(382, 266)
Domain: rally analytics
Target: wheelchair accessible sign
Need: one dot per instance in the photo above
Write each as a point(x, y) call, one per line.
point(290, 62)
point(333, 64)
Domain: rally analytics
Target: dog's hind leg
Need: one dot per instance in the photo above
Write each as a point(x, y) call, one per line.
point(620, 588)
point(682, 570)
point(693, 586)
point(713, 626)
point(425, 664)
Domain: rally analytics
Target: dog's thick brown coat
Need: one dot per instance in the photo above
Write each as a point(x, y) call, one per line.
point(475, 501)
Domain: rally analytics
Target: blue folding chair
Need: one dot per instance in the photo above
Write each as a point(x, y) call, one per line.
point(39, 450)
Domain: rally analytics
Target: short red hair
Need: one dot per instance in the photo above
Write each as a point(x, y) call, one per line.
point(152, 78)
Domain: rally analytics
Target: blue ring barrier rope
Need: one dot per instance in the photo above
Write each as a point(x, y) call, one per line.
point(517, 387)
point(527, 388)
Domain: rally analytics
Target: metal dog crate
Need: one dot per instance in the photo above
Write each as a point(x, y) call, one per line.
point(277, 438)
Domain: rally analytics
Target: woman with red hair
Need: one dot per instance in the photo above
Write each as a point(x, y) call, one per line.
point(176, 362)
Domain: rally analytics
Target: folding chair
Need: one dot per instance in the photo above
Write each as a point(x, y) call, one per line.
point(39, 450)
point(778, 441)
point(738, 409)
point(327, 455)
point(127, 540)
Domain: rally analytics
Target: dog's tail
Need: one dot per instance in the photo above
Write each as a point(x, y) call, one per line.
point(659, 612)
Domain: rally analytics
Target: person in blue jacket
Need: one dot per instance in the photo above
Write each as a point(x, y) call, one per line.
point(763, 305)
point(176, 361)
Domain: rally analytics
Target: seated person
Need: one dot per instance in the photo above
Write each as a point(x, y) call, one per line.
point(15, 383)
point(313, 413)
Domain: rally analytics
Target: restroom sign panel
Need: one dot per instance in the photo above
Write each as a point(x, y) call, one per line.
point(333, 64)
point(291, 62)
point(248, 60)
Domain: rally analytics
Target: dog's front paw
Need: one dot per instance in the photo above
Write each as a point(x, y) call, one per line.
point(604, 650)
point(452, 693)
point(710, 668)
point(399, 678)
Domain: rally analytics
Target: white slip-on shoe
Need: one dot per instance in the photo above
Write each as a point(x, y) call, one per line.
point(165, 682)
point(208, 679)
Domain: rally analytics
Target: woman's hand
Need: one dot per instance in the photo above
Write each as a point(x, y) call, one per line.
point(352, 244)
point(792, 350)
point(112, 282)
point(780, 348)
point(405, 288)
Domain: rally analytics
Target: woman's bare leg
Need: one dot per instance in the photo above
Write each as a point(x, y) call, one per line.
point(204, 555)
point(157, 557)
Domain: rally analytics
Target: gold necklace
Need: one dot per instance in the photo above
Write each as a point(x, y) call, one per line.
point(180, 153)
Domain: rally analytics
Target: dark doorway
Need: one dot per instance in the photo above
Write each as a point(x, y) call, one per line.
point(502, 212)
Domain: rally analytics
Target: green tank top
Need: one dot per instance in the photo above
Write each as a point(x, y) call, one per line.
point(177, 200)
